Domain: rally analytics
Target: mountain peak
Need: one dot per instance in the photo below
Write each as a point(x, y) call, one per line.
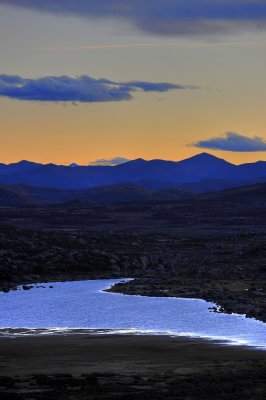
point(206, 157)
point(137, 161)
point(205, 154)
point(24, 162)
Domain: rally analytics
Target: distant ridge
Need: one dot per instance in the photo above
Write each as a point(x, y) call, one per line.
point(24, 195)
point(202, 172)
point(28, 196)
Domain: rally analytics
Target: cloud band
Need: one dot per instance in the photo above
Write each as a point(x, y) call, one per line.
point(83, 89)
point(111, 161)
point(232, 141)
point(163, 16)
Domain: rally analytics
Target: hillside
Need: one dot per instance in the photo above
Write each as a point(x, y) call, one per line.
point(14, 196)
point(246, 196)
point(24, 195)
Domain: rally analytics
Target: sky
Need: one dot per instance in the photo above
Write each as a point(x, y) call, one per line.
point(83, 81)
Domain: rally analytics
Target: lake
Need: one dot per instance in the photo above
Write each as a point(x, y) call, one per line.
point(83, 305)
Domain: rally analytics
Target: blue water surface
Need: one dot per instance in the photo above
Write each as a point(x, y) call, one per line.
point(82, 304)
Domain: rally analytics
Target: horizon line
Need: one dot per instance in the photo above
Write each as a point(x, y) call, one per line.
point(91, 163)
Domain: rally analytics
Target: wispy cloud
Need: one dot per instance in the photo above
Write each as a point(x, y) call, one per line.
point(100, 46)
point(83, 89)
point(198, 44)
point(163, 16)
point(233, 141)
point(112, 161)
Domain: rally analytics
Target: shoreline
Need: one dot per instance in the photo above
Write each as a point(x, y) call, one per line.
point(24, 331)
point(17, 333)
point(140, 287)
point(224, 267)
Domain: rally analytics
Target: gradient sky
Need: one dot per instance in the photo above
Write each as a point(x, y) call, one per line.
point(217, 54)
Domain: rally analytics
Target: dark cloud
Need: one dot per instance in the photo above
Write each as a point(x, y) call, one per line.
point(163, 16)
point(112, 161)
point(232, 141)
point(10, 79)
point(83, 89)
point(157, 87)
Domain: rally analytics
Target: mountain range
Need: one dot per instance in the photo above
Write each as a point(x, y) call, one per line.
point(201, 173)
point(29, 183)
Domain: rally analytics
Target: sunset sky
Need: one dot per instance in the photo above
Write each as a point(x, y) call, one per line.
point(83, 80)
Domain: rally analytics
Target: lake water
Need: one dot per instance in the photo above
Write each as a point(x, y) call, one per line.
point(77, 306)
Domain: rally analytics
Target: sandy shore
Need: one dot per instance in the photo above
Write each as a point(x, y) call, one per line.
point(113, 366)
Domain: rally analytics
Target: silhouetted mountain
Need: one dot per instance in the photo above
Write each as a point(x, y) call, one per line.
point(18, 168)
point(253, 170)
point(203, 166)
point(202, 172)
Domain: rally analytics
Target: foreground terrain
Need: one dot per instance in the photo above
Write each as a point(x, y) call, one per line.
point(213, 247)
point(128, 367)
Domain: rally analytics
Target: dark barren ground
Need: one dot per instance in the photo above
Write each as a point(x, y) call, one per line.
point(128, 367)
point(212, 248)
